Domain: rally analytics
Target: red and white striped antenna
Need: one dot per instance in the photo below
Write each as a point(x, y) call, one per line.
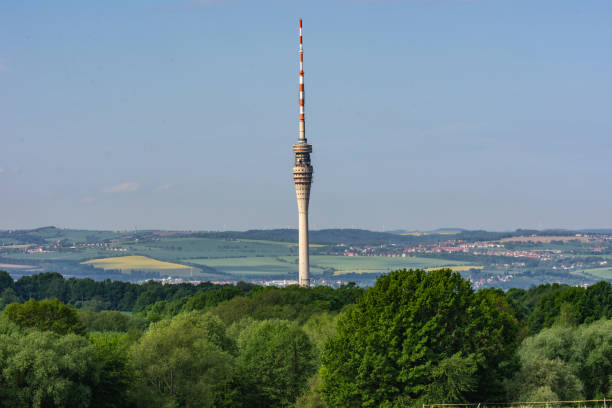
point(302, 137)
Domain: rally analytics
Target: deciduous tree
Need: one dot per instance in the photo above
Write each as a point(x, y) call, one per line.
point(183, 362)
point(275, 360)
point(45, 315)
point(412, 329)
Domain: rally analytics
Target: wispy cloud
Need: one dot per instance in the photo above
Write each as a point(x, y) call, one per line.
point(125, 187)
point(162, 187)
point(1, 170)
point(3, 67)
point(88, 200)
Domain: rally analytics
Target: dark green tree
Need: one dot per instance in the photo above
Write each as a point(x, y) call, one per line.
point(549, 307)
point(412, 329)
point(6, 281)
point(275, 360)
point(42, 286)
point(495, 336)
point(597, 302)
point(111, 350)
point(110, 321)
point(8, 296)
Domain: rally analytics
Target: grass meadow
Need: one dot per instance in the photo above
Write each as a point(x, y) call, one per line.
point(175, 249)
point(602, 273)
point(339, 265)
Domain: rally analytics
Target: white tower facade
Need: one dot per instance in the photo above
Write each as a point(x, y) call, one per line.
point(302, 178)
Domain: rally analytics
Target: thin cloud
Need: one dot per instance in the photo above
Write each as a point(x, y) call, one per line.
point(1, 170)
point(162, 187)
point(125, 187)
point(87, 200)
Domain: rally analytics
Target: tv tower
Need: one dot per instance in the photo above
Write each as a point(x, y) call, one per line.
point(302, 178)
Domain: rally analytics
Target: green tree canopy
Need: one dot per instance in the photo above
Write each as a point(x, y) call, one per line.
point(110, 320)
point(184, 362)
point(275, 360)
point(6, 281)
point(45, 315)
point(578, 361)
point(8, 296)
point(44, 369)
point(543, 379)
point(115, 374)
point(412, 329)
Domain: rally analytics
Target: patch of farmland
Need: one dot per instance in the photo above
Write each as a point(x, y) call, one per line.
point(287, 265)
point(139, 263)
point(190, 249)
point(374, 264)
point(66, 254)
point(17, 266)
point(603, 273)
point(255, 266)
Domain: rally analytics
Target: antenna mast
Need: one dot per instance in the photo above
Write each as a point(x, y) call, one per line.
point(302, 137)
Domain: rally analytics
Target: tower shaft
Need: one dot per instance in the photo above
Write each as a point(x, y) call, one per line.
point(302, 178)
point(304, 260)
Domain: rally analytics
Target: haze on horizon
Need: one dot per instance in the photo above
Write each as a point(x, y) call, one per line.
point(422, 114)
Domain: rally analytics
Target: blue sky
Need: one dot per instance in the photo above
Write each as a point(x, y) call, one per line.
point(493, 114)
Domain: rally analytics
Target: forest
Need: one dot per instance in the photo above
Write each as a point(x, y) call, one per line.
point(414, 338)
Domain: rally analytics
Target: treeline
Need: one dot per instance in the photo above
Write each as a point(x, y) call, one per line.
point(370, 238)
point(257, 349)
point(536, 308)
point(415, 337)
point(544, 305)
point(107, 295)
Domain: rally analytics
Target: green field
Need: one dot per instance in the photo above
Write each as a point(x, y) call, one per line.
point(376, 264)
point(603, 273)
point(285, 265)
point(81, 254)
point(172, 249)
point(254, 266)
point(127, 264)
point(175, 249)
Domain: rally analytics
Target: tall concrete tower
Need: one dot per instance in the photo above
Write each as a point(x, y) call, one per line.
point(302, 178)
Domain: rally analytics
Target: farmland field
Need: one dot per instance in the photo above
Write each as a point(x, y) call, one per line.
point(175, 249)
point(81, 254)
point(254, 266)
point(376, 264)
point(603, 273)
point(283, 265)
point(140, 263)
